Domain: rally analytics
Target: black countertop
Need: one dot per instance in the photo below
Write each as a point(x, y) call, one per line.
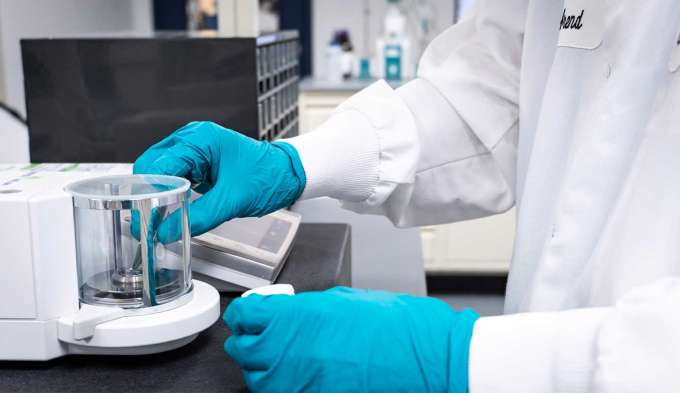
point(319, 259)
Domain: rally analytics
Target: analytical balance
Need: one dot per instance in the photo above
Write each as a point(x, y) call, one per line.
point(84, 271)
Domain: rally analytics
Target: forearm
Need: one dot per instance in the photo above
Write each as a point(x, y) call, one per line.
point(629, 347)
point(440, 148)
point(535, 352)
point(341, 159)
point(407, 154)
point(367, 147)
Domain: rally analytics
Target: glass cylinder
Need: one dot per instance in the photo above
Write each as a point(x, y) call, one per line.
point(132, 239)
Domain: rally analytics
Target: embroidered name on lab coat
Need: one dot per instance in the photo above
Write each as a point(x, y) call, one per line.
point(571, 21)
point(582, 24)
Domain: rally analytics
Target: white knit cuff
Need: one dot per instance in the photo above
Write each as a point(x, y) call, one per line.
point(535, 352)
point(340, 158)
point(359, 155)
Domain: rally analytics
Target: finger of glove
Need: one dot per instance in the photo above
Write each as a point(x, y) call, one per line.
point(170, 230)
point(143, 164)
point(257, 383)
point(205, 213)
point(250, 352)
point(182, 159)
point(176, 160)
point(252, 314)
point(134, 224)
point(145, 160)
point(154, 222)
point(210, 210)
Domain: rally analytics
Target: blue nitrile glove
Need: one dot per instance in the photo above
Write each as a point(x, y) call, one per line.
point(237, 175)
point(350, 340)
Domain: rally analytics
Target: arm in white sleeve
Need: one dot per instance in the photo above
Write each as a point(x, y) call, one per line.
point(631, 347)
point(441, 148)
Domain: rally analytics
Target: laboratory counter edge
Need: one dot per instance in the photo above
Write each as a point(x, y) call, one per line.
point(319, 259)
point(352, 85)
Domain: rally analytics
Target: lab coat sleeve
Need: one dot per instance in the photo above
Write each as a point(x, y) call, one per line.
point(631, 347)
point(442, 147)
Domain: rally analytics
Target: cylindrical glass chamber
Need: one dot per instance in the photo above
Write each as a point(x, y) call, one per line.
point(132, 239)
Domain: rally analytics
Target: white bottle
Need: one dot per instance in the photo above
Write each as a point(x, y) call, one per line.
point(347, 64)
point(394, 48)
point(333, 63)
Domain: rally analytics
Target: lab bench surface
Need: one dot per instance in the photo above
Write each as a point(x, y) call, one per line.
point(319, 259)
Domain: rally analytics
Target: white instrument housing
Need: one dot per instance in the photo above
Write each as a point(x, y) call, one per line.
point(40, 314)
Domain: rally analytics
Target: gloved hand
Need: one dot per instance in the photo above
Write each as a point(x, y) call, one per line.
point(237, 175)
point(349, 340)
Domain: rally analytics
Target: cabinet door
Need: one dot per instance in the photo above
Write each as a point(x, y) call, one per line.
point(316, 107)
point(482, 246)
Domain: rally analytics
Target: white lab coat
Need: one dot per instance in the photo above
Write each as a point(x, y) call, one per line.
point(586, 144)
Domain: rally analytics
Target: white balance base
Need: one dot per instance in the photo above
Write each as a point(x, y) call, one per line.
point(76, 349)
point(31, 339)
point(142, 334)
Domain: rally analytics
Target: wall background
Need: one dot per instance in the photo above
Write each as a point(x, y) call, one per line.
point(330, 15)
point(59, 18)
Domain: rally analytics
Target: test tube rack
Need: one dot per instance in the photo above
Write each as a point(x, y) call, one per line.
point(277, 85)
